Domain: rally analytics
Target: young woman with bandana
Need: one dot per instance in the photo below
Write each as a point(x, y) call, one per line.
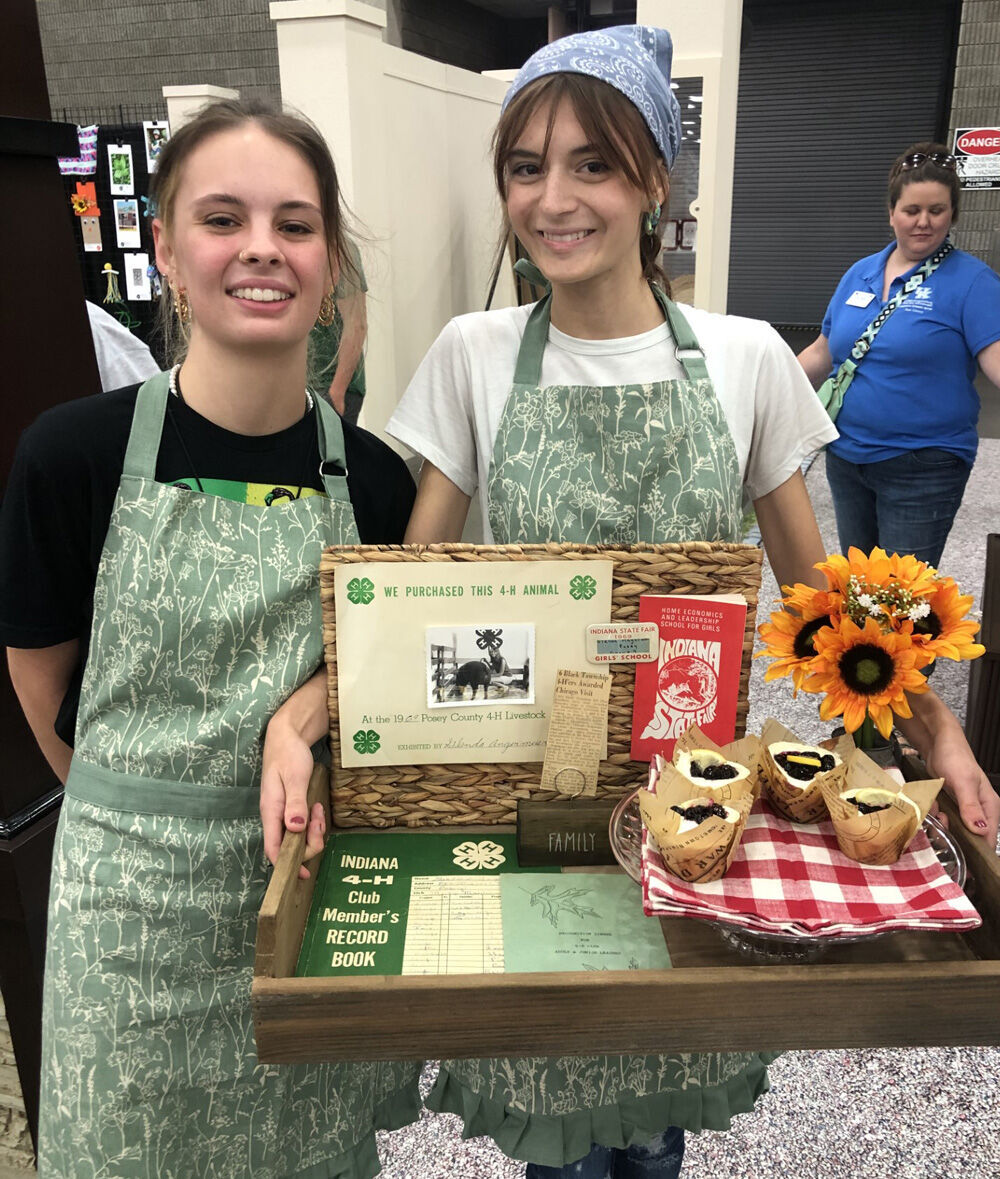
point(173, 530)
point(607, 414)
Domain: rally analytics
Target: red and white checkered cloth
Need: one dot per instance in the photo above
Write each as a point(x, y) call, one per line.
point(793, 878)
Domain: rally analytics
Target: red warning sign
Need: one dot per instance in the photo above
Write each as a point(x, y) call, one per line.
point(978, 152)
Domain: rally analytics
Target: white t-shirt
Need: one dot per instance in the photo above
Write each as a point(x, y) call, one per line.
point(122, 359)
point(451, 410)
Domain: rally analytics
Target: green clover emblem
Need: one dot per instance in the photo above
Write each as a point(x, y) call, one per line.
point(582, 586)
point(360, 591)
point(366, 741)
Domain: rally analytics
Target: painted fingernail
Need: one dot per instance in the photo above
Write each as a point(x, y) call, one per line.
point(980, 824)
point(296, 821)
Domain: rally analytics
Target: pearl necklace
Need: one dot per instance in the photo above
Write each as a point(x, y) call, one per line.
point(177, 393)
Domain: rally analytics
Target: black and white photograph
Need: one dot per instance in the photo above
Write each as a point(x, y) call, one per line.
point(469, 665)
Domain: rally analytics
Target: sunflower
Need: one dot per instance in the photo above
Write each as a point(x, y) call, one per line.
point(889, 589)
point(865, 672)
point(916, 576)
point(790, 637)
point(877, 570)
point(944, 630)
point(803, 598)
point(838, 570)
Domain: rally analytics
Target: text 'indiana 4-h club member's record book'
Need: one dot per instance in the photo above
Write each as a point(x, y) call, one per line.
point(458, 903)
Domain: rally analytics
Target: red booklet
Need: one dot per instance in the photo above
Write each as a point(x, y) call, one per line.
point(696, 677)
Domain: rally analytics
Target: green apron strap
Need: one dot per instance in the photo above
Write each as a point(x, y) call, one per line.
point(528, 370)
point(331, 447)
point(687, 350)
point(147, 427)
point(527, 270)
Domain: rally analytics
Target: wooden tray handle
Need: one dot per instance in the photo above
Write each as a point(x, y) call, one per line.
point(286, 903)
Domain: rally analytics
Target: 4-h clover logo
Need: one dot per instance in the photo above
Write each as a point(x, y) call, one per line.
point(485, 854)
point(360, 591)
point(366, 741)
point(582, 586)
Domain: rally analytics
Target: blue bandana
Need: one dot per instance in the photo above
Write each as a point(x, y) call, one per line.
point(635, 59)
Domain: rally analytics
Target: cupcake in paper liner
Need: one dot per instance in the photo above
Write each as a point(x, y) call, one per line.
point(697, 834)
point(874, 818)
point(792, 772)
point(729, 770)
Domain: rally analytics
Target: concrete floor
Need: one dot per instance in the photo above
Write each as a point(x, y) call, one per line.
point(914, 1114)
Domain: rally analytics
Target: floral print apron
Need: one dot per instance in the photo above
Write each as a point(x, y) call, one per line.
point(606, 465)
point(613, 465)
point(206, 618)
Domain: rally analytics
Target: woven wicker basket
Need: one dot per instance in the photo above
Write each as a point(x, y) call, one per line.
point(454, 795)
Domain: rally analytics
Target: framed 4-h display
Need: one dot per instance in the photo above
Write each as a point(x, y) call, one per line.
point(443, 659)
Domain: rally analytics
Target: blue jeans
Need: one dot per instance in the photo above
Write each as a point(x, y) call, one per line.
point(904, 505)
point(659, 1159)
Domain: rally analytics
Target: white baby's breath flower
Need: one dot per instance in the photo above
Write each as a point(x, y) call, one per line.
point(920, 610)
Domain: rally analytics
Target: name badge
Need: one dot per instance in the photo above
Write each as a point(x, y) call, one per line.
point(860, 299)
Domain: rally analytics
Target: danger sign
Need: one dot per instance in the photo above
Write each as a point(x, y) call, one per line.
point(978, 152)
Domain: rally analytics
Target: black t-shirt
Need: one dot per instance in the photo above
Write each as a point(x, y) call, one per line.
point(58, 502)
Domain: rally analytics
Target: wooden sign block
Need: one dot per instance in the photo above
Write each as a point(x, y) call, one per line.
point(571, 832)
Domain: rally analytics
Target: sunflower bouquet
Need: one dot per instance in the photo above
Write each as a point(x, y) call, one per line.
point(864, 639)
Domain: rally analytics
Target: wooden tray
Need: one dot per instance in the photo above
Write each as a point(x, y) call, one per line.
point(903, 990)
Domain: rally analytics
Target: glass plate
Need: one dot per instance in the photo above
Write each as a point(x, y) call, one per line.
point(625, 831)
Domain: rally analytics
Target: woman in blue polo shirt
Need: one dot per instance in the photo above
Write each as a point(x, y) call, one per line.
point(908, 424)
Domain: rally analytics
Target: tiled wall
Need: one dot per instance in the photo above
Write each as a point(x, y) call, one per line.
point(976, 103)
point(99, 53)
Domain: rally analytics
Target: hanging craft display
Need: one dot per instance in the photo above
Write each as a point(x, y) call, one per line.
point(121, 176)
point(127, 224)
point(137, 286)
point(113, 299)
point(112, 293)
point(85, 164)
point(155, 134)
point(155, 285)
point(84, 202)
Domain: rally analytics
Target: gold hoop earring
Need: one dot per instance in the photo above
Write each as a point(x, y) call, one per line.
point(327, 310)
point(182, 307)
